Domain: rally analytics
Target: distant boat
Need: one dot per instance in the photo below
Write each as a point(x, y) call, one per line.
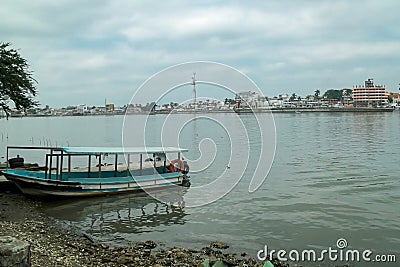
point(54, 179)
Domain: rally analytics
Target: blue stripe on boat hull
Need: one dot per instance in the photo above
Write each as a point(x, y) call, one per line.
point(86, 187)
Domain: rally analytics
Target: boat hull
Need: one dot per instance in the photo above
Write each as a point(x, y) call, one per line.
point(85, 187)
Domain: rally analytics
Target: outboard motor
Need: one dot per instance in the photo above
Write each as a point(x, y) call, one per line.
point(183, 167)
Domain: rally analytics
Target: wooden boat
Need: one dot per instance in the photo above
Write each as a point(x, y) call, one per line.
point(59, 178)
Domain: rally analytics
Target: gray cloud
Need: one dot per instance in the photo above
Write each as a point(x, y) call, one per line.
point(83, 52)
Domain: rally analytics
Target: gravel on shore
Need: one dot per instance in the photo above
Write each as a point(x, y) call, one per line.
point(53, 245)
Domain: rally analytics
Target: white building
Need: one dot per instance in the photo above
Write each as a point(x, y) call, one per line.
point(252, 100)
point(81, 109)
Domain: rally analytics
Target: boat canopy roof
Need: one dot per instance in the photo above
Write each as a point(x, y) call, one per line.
point(121, 150)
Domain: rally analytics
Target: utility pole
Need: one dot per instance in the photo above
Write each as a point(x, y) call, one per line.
point(194, 89)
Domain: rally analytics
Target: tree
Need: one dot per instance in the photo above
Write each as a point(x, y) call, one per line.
point(337, 94)
point(16, 82)
point(333, 94)
point(317, 93)
point(230, 101)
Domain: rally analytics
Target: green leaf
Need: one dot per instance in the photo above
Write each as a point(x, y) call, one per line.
point(268, 264)
point(220, 264)
point(206, 263)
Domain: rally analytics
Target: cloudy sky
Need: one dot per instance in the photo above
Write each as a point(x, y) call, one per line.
point(82, 52)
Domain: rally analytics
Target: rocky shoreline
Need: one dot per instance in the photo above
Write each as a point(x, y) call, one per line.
point(53, 245)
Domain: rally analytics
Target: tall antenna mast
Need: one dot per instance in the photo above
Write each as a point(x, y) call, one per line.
point(194, 89)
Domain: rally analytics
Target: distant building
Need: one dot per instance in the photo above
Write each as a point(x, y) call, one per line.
point(395, 98)
point(133, 109)
point(251, 100)
point(81, 109)
point(110, 107)
point(370, 95)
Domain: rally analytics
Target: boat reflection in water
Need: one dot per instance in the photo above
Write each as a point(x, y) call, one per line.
point(112, 217)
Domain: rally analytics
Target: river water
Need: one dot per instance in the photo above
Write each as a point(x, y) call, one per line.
point(334, 175)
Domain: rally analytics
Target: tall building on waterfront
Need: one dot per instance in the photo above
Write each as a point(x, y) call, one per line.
point(370, 95)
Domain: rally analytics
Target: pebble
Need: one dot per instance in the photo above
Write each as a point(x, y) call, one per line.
point(219, 245)
point(53, 245)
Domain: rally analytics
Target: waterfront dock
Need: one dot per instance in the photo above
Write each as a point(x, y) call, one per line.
point(319, 109)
